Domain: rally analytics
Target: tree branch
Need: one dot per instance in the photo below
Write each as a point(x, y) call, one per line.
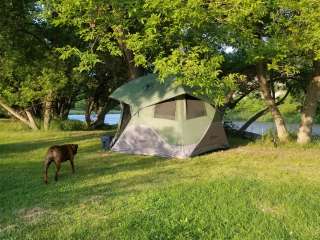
point(261, 113)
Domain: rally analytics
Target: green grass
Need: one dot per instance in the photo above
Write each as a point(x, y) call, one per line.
point(252, 191)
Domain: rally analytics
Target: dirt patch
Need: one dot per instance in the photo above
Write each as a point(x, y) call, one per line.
point(7, 228)
point(106, 154)
point(268, 208)
point(31, 215)
point(96, 199)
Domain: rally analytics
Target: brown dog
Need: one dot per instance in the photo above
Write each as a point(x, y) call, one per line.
point(59, 154)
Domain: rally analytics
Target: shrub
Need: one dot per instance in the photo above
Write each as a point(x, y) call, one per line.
point(13, 125)
point(68, 125)
point(3, 114)
point(72, 125)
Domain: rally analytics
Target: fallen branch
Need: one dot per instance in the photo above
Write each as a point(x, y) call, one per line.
point(14, 113)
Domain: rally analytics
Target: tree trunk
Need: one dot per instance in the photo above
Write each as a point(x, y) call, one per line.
point(31, 120)
point(254, 118)
point(282, 131)
point(37, 110)
point(47, 113)
point(231, 103)
point(133, 71)
point(259, 114)
point(89, 108)
point(63, 108)
point(67, 109)
point(310, 106)
point(14, 113)
point(101, 113)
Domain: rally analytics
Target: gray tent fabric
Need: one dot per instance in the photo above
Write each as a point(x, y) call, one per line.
point(139, 139)
point(170, 122)
point(215, 138)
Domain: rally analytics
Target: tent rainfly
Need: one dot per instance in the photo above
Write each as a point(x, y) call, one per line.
point(166, 119)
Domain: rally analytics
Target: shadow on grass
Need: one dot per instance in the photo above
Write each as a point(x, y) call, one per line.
point(98, 173)
point(90, 162)
point(8, 149)
point(236, 141)
point(23, 186)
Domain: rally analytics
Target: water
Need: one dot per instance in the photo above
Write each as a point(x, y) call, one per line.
point(111, 119)
point(264, 127)
point(256, 127)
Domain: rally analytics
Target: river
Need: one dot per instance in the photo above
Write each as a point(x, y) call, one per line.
point(111, 119)
point(256, 127)
point(264, 127)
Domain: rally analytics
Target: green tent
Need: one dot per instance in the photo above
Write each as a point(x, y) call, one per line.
point(166, 119)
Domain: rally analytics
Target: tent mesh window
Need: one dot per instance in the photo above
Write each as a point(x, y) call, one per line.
point(166, 110)
point(195, 108)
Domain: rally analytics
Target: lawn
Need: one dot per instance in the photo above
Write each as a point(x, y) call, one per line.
point(251, 191)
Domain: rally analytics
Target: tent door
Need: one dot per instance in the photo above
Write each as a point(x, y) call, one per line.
point(124, 120)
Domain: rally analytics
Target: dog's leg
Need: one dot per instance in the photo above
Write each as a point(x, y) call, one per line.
point(72, 164)
point(58, 165)
point(47, 163)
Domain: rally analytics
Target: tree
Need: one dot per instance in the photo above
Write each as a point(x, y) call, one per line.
point(301, 21)
point(24, 85)
point(183, 39)
point(32, 76)
point(98, 87)
point(10, 33)
point(310, 106)
point(102, 26)
point(250, 27)
point(101, 51)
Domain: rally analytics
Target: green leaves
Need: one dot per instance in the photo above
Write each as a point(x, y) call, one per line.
point(102, 27)
point(197, 69)
point(171, 37)
point(182, 39)
point(302, 21)
point(68, 51)
point(87, 61)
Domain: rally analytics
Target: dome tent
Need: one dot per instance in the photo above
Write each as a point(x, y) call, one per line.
point(166, 119)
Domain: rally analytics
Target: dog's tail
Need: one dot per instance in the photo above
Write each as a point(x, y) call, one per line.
point(46, 164)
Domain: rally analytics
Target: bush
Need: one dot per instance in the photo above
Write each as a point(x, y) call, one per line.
point(3, 114)
point(12, 125)
point(68, 125)
point(55, 125)
point(73, 125)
